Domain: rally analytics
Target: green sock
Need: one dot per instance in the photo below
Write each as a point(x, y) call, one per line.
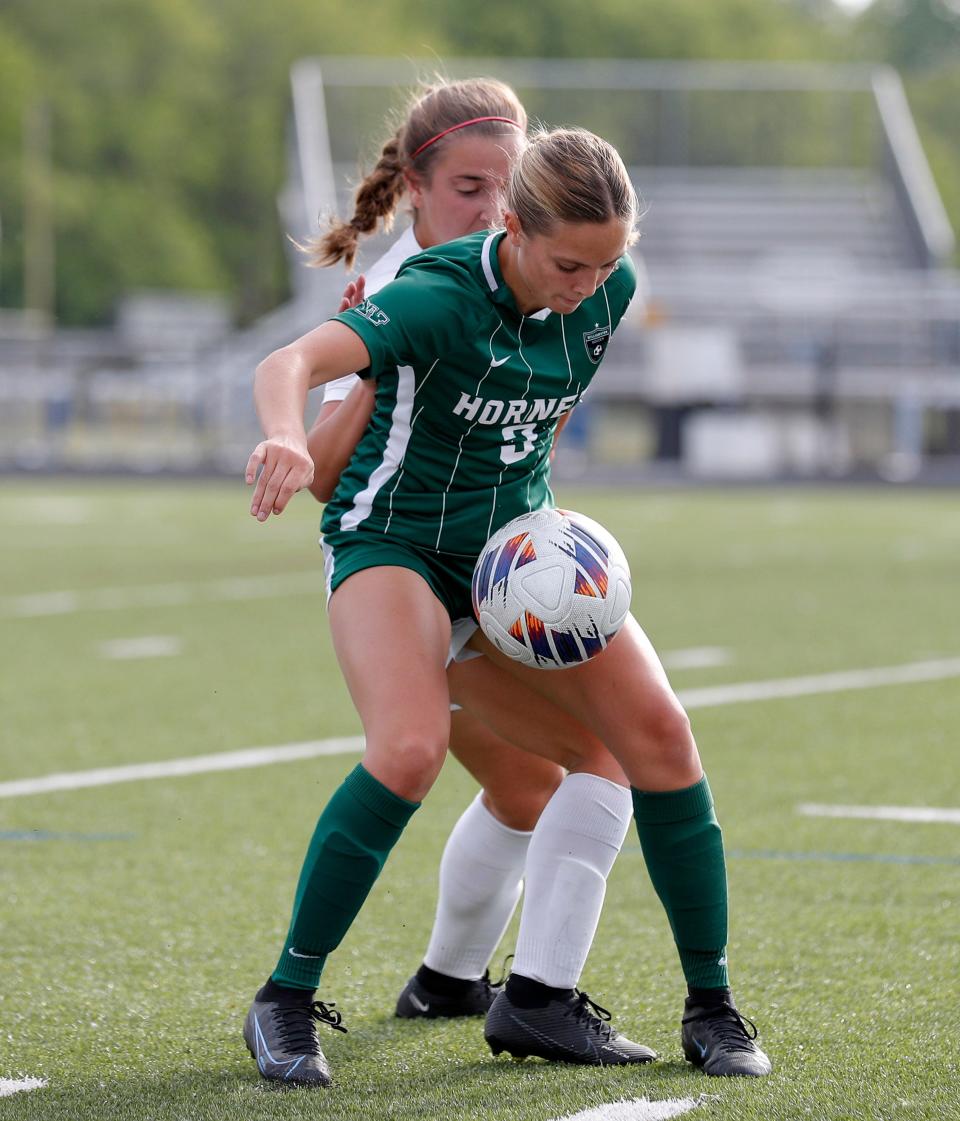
point(683, 847)
point(356, 831)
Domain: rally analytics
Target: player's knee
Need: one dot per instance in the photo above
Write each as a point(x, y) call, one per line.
point(576, 749)
point(409, 765)
point(519, 807)
point(667, 726)
point(421, 754)
point(664, 747)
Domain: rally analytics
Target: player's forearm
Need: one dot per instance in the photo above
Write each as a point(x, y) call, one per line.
point(280, 394)
point(284, 377)
point(334, 436)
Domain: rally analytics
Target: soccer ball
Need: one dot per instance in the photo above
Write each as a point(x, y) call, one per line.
point(551, 589)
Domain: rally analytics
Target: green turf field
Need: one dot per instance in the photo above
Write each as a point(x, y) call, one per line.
point(139, 918)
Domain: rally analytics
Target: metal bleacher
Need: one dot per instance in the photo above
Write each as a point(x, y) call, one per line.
point(797, 260)
point(797, 252)
point(704, 217)
point(820, 271)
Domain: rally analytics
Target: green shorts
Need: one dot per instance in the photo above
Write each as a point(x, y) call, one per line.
point(448, 574)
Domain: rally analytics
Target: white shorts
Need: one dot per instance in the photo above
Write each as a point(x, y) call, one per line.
point(461, 632)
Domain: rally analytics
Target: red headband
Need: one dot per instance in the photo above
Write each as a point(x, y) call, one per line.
point(463, 124)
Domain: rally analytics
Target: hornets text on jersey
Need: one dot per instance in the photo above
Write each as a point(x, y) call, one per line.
point(469, 392)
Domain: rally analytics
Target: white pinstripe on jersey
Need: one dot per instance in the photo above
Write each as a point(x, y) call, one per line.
point(393, 453)
point(473, 424)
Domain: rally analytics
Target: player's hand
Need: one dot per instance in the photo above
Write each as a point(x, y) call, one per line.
point(285, 467)
point(353, 294)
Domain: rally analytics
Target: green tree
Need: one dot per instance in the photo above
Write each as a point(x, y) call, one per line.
point(921, 38)
point(913, 35)
point(18, 89)
point(170, 117)
point(737, 29)
point(169, 137)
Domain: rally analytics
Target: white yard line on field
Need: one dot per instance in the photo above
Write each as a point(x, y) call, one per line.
point(146, 646)
point(697, 657)
point(692, 698)
point(39, 604)
point(49, 509)
point(639, 1109)
point(925, 815)
point(840, 682)
point(175, 768)
point(10, 1086)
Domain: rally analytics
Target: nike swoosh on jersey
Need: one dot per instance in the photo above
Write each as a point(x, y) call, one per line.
point(499, 361)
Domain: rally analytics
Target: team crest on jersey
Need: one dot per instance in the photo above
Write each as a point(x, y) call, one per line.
point(595, 342)
point(369, 310)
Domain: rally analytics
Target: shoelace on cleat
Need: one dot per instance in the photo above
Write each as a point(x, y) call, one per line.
point(594, 1016)
point(731, 1028)
point(504, 974)
point(297, 1025)
point(328, 1014)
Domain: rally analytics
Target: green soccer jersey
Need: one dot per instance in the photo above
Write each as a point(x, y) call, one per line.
point(469, 392)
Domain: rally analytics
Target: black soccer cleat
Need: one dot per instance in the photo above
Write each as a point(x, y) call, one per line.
point(570, 1030)
point(721, 1041)
point(418, 1002)
point(282, 1037)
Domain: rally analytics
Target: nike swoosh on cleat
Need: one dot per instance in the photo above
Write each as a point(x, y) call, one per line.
point(700, 1047)
point(265, 1061)
point(419, 1004)
point(499, 361)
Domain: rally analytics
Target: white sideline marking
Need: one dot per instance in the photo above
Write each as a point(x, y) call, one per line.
point(923, 814)
point(148, 646)
point(697, 657)
point(52, 509)
point(821, 683)
point(174, 768)
point(639, 1109)
point(263, 756)
point(39, 604)
point(10, 1086)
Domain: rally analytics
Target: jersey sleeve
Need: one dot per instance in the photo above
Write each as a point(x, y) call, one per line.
point(415, 318)
point(381, 272)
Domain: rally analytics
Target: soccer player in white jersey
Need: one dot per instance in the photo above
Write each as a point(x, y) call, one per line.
point(505, 318)
point(451, 158)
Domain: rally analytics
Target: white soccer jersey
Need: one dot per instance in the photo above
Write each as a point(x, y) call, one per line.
point(382, 271)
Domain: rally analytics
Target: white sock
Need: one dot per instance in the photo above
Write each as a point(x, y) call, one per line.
point(481, 877)
point(572, 851)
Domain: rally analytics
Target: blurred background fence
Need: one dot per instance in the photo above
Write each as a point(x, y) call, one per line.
point(801, 318)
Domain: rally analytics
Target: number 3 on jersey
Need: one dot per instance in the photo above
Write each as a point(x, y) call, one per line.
point(520, 440)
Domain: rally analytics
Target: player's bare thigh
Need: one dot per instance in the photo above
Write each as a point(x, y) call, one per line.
point(391, 635)
point(526, 722)
point(624, 697)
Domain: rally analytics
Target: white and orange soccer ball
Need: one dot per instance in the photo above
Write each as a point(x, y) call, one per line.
point(551, 589)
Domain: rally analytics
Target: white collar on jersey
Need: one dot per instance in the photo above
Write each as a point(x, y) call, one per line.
point(486, 259)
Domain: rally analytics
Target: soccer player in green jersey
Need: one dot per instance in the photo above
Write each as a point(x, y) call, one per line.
point(479, 347)
point(451, 157)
